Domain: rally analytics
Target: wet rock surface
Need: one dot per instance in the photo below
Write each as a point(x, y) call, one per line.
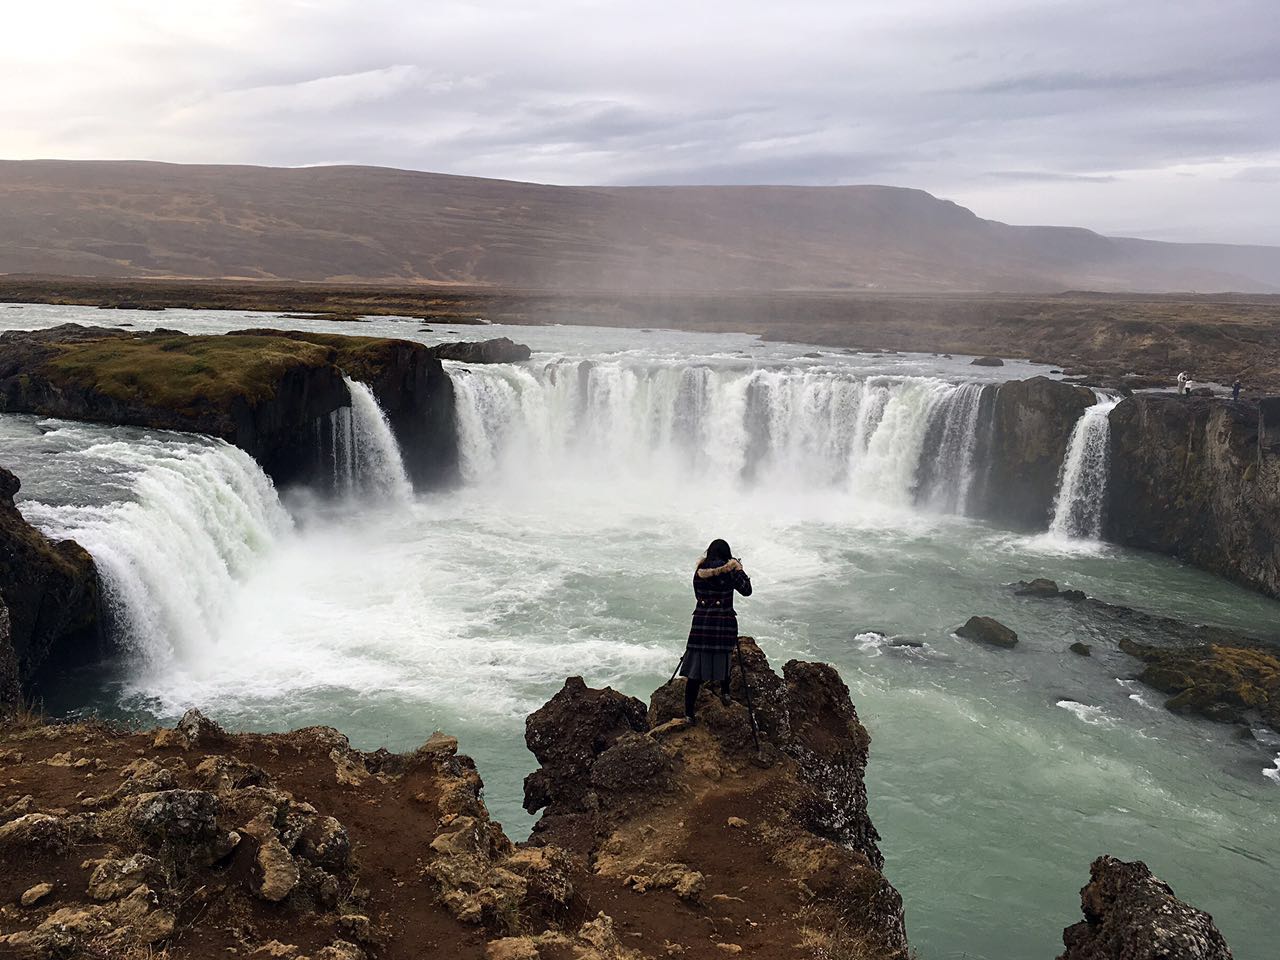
point(49, 602)
point(1198, 478)
point(1230, 684)
point(498, 350)
point(1031, 427)
point(1132, 915)
point(988, 630)
point(1214, 672)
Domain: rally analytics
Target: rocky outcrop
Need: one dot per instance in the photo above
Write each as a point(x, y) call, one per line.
point(658, 840)
point(1131, 915)
point(1215, 672)
point(1198, 479)
point(1030, 430)
point(263, 394)
point(653, 804)
point(499, 350)
point(200, 842)
point(49, 602)
point(269, 392)
point(1228, 683)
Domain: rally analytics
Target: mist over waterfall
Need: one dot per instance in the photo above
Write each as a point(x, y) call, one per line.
point(198, 517)
point(896, 441)
point(359, 452)
point(1082, 484)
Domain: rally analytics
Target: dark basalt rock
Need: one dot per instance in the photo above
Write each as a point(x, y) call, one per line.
point(989, 631)
point(1039, 587)
point(51, 599)
point(1131, 915)
point(499, 350)
point(986, 362)
point(269, 392)
point(243, 389)
point(1198, 479)
point(1083, 649)
point(567, 734)
point(413, 390)
point(1220, 682)
point(1030, 429)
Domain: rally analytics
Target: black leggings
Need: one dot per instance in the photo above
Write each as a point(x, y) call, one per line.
point(691, 688)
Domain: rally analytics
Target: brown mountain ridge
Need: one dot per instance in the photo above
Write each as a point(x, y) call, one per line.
point(372, 224)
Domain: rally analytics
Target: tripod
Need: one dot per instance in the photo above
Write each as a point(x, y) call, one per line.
point(746, 686)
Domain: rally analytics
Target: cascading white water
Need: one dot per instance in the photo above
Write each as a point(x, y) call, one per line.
point(795, 429)
point(198, 518)
point(954, 466)
point(1082, 483)
point(366, 458)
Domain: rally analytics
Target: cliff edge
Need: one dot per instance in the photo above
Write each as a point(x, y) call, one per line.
point(49, 602)
point(1199, 478)
point(269, 392)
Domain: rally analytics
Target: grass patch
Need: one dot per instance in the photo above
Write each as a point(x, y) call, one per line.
point(184, 373)
point(361, 358)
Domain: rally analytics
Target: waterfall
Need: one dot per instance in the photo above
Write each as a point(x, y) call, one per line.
point(198, 517)
point(365, 459)
point(1082, 484)
point(891, 441)
point(954, 439)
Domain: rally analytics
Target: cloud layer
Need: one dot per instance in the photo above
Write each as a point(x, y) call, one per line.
point(1148, 117)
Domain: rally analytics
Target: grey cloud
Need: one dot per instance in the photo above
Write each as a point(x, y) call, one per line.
point(824, 169)
point(1018, 109)
point(1045, 176)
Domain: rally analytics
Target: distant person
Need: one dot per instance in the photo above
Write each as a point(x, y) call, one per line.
point(1235, 390)
point(1183, 383)
point(714, 633)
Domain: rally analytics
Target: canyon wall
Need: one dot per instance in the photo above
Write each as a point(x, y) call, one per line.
point(49, 601)
point(1023, 442)
point(1199, 478)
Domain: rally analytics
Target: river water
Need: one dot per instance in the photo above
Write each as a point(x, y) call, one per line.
point(842, 480)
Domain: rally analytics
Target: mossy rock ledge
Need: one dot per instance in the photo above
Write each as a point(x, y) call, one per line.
point(266, 391)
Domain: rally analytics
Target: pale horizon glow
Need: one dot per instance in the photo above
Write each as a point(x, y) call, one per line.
point(1144, 119)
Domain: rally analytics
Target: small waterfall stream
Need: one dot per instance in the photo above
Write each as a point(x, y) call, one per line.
point(1082, 484)
point(366, 459)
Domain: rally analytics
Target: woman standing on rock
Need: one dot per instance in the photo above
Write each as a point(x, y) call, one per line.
point(714, 633)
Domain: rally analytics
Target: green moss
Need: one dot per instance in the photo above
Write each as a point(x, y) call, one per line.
point(362, 358)
point(184, 373)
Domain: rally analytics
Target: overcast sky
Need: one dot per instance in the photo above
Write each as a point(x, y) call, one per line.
point(1155, 118)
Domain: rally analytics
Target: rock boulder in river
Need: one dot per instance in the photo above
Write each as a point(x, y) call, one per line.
point(1131, 915)
point(499, 350)
point(988, 630)
point(1199, 479)
point(1222, 682)
point(49, 602)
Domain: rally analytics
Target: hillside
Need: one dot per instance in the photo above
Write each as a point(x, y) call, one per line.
point(341, 224)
